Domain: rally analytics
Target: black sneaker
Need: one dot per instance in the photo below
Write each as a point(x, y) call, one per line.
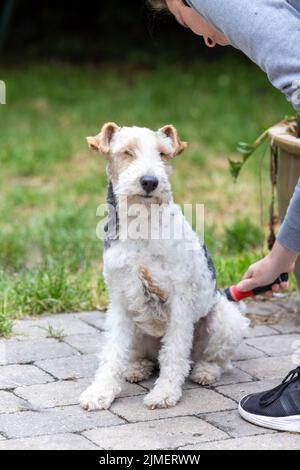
point(278, 408)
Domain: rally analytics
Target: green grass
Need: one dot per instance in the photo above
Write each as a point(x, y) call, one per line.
point(55, 333)
point(51, 185)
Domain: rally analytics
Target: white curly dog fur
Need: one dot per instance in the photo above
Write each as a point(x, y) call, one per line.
point(164, 308)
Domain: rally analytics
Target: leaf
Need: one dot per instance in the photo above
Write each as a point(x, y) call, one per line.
point(246, 149)
point(235, 167)
point(245, 145)
point(245, 152)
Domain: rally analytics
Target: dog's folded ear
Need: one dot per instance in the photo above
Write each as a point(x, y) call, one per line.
point(101, 142)
point(171, 132)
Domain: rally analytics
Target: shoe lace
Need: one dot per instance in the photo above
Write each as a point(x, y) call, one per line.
point(272, 395)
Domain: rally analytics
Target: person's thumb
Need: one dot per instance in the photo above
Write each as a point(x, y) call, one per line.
point(247, 285)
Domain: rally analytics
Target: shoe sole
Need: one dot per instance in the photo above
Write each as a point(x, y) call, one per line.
point(287, 423)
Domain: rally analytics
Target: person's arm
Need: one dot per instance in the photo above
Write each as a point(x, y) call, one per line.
point(267, 31)
point(284, 254)
point(289, 234)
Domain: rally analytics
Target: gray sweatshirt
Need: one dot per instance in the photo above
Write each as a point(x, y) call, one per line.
point(289, 234)
point(268, 32)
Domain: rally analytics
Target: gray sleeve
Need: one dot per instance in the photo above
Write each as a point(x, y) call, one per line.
point(289, 234)
point(267, 31)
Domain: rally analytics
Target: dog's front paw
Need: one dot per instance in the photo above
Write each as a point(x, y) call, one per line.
point(161, 397)
point(94, 399)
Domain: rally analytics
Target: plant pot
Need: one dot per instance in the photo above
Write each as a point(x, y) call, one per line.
point(288, 146)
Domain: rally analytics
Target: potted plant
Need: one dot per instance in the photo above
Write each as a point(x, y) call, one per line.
point(284, 143)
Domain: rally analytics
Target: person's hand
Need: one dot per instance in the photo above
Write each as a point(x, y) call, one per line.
point(267, 270)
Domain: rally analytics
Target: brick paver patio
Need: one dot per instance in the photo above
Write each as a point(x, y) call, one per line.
point(41, 378)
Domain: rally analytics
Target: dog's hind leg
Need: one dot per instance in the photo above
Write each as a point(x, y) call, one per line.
point(139, 370)
point(218, 338)
point(143, 358)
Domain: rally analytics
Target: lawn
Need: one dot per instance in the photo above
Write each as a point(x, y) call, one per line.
point(51, 185)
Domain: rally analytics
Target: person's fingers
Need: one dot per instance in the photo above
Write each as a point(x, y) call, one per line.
point(284, 285)
point(247, 285)
point(275, 288)
point(269, 293)
point(248, 273)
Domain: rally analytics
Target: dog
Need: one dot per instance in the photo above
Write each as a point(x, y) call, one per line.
point(165, 309)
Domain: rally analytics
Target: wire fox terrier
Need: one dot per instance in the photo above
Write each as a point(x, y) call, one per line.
point(164, 307)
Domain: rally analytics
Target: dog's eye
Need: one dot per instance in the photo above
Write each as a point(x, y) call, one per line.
point(163, 155)
point(128, 153)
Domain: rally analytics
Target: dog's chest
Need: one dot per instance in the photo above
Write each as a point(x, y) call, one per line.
point(143, 281)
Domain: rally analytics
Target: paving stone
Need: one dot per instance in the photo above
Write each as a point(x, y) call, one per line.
point(160, 434)
point(149, 383)
point(262, 330)
point(9, 403)
point(20, 375)
point(53, 442)
point(232, 376)
point(86, 344)
point(65, 393)
point(53, 394)
point(262, 308)
point(69, 368)
point(238, 391)
point(204, 419)
point(22, 352)
point(53, 421)
point(268, 367)
point(36, 329)
point(288, 326)
point(235, 375)
point(96, 319)
point(231, 423)
point(2, 351)
point(244, 352)
point(291, 304)
point(278, 441)
point(194, 401)
point(281, 345)
point(131, 390)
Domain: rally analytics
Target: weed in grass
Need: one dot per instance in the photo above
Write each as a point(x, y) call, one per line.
point(5, 324)
point(5, 315)
point(13, 242)
point(100, 294)
point(230, 269)
point(242, 236)
point(69, 234)
point(52, 290)
point(55, 333)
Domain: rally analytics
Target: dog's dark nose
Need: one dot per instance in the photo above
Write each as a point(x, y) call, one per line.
point(149, 183)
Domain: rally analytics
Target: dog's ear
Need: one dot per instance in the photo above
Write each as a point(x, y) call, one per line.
point(101, 142)
point(171, 132)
